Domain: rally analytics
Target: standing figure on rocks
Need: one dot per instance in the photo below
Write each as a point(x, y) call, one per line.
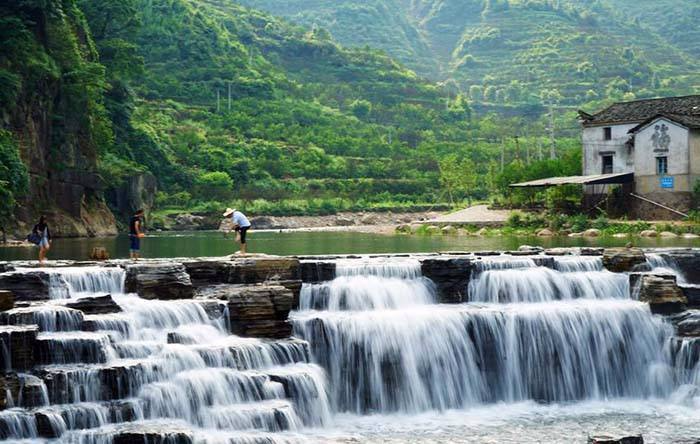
point(42, 233)
point(241, 224)
point(135, 234)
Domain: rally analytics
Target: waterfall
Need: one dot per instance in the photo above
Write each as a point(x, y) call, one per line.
point(563, 334)
point(156, 364)
point(660, 263)
point(522, 280)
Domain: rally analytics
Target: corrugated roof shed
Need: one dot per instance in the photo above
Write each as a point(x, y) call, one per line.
point(596, 179)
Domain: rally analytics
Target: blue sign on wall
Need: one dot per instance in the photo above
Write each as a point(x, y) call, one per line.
point(667, 182)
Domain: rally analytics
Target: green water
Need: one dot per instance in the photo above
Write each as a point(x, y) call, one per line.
point(209, 243)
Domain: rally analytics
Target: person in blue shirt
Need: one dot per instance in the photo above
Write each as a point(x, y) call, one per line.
point(241, 224)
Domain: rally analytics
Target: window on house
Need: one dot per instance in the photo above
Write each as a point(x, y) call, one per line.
point(608, 164)
point(607, 133)
point(661, 166)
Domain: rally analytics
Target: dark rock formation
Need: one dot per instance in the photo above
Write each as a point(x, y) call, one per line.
point(688, 323)
point(148, 436)
point(688, 263)
point(136, 192)
point(450, 275)
point(317, 271)
point(95, 305)
point(256, 311)
point(620, 260)
point(31, 392)
point(7, 300)
point(29, 286)
point(264, 269)
point(607, 439)
point(9, 390)
point(5, 267)
point(17, 344)
point(166, 281)
point(692, 293)
point(662, 294)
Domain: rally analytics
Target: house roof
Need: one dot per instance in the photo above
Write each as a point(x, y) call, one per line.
point(639, 111)
point(688, 121)
point(596, 179)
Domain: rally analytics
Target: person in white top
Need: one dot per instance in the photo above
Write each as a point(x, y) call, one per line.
point(241, 224)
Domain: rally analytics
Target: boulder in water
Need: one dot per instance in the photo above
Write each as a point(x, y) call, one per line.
point(620, 260)
point(101, 304)
point(342, 221)
point(687, 262)
point(649, 233)
point(690, 236)
point(668, 235)
point(545, 232)
point(662, 294)
point(165, 281)
point(593, 232)
point(608, 439)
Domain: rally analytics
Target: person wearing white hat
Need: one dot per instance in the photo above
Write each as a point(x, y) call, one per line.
point(241, 224)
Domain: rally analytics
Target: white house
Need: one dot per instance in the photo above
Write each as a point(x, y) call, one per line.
point(656, 141)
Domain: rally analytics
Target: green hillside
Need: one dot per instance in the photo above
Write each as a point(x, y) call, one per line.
point(510, 52)
point(225, 105)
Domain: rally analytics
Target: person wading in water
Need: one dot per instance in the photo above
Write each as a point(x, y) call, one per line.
point(42, 234)
point(241, 224)
point(135, 234)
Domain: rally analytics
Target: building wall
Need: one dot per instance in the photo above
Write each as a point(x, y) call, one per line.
point(647, 147)
point(694, 157)
point(594, 144)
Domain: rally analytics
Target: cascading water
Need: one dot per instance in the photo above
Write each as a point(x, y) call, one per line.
point(566, 332)
point(521, 280)
point(374, 341)
point(157, 364)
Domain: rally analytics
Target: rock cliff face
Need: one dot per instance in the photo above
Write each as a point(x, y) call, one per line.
point(57, 118)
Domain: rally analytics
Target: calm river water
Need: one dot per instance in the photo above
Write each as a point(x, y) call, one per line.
point(213, 243)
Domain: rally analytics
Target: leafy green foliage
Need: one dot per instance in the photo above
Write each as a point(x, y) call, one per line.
point(13, 177)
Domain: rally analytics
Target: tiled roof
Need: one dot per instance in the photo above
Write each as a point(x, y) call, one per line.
point(639, 111)
point(688, 121)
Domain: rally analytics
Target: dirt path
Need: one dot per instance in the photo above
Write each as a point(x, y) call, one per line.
point(477, 215)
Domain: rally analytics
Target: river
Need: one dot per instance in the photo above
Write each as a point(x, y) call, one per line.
point(213, 243)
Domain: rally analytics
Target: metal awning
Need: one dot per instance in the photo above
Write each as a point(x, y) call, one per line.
point(596, 179)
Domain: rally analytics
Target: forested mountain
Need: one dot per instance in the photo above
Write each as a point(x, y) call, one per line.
point(219, 104)
point(510, 52)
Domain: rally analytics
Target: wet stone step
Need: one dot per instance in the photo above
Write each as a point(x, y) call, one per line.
point(93, 305)
point(249, 355)
point(48, 318)
point(17, 345)
point(270, 416)
point(108, 322)
point(79, 383)
point(32, 392)
point(72, 348)
point(33, 285)
point(164, 281)
point(54, 421)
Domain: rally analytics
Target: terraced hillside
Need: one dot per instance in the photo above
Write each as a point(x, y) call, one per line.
point(512, 51)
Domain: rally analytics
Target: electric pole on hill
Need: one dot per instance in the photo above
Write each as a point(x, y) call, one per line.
point(553, 140)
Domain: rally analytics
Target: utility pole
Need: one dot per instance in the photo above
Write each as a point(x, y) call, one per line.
point(517, 147)
point(218, 100)
point(503, 155)
point(229, 96)
point(553, 140)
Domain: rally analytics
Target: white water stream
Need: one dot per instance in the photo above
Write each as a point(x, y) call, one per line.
point(540, 354)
